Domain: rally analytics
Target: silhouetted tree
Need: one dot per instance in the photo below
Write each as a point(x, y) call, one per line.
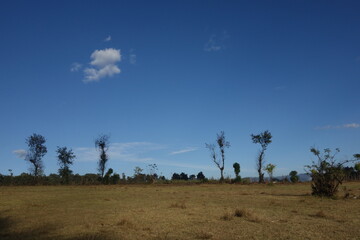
point(36, 152)
point(264, 139)
point(192, 177)
point(102, 144)
point(270, 170)
point(107, 176)
point(222, 144)
point(175, 176)
point(184, 176)
point(200, 176)
point(236, 167)
point(294, 177)
point(65, 159)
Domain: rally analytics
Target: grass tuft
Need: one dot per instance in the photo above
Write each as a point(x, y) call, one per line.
point(247, 214)
point(227, 217)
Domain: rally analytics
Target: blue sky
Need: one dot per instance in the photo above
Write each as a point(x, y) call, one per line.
point(163, 77)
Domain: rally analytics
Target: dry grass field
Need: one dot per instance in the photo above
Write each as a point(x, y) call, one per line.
point(177, 212)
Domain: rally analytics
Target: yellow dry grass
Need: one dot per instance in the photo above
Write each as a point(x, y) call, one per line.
point(177, 212)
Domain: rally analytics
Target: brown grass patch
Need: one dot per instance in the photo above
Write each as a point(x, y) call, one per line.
point(124, 222)
point(319, 214)
point(178, 205)
point(204, 235)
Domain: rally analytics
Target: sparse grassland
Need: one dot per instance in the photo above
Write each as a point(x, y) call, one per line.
point(177, 212)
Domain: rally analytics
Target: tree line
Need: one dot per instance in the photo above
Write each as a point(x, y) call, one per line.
point(327, 173)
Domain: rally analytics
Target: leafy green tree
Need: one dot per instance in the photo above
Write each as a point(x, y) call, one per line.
point(65, 159)
point(236, 167)
point(357, 167)
point(102, 144)
point(36, 152)
point(222, 144)
point(270, 170)
point(294, 177)
point(264, 139)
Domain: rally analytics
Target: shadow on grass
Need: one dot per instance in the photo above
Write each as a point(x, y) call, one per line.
point(44, 232)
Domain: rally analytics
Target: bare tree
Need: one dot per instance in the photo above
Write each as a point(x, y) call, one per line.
point(102, 144)
point(264, 139)
point(222, 144)
point(36, 152)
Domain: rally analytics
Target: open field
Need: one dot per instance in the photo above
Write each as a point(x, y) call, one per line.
point(177, 212)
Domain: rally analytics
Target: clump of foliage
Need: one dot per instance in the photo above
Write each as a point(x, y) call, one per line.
point(270, 170)
point(327, 173)
point(294, 178)
point(236, 167)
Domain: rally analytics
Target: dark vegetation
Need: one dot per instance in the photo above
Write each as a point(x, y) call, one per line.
point(326, 172)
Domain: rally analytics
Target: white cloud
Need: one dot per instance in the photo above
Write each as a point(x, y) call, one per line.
point(104, 64)
point(20, 153)
point(348, 125)
point(108, 39)
point(189, 149)
point(75, 67)
point(216, 43)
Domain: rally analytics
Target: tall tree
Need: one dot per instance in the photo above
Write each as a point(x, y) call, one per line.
point(36, 152)
point(264, 139)
point(102, 144)
point(222, 144)
point(65, 159)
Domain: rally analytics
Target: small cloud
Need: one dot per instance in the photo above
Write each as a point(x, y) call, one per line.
point(351, 125)
point(211, 45)
point(348, 125)
point(108, 39)
point(104, 64)
point(132, 58)
point(20, 153)
point(189, 149)
point(216, 43)
point(75, 67)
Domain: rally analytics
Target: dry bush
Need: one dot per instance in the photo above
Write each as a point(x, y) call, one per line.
point(178, 205)
point(227, 217)
point(204, 235)
point(247, 214)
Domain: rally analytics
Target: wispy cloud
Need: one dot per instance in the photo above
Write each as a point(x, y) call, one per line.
point(108, 39)
point(75, 67)
point(104, 64)
point(132, 56)
point(348, 125)
point(216, 42)
point(129, 152)
point(20, 153)
point(188, 149)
